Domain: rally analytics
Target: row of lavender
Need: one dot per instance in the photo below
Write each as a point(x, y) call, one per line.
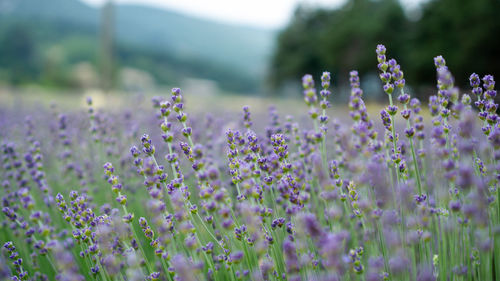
point(205, 199)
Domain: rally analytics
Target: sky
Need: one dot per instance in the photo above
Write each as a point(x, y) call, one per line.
point(270, 14)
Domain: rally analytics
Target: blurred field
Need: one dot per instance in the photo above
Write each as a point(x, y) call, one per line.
point(199, 103)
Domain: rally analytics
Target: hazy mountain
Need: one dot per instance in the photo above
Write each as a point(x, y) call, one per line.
point(72, 11)
point(143, 30)
point(244, 47)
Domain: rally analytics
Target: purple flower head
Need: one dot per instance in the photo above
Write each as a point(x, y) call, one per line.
point(135, 151)
point(227, 223)
point(492, 118)
point(477, 91)
point(280, 147)
point(385, 77)
point(154, 276)
point(488, 82)
point(9, 246)
point(178, 107)
point(208, 248)
point(325, 80)
point(410, 132)
point(420, 198)
point(491, 107)
point(311, 225)
point(380, 50)
point(122, 199)
point(404, 98)
point(310, 96)
point(307, 81)
point(433, 105)
point(386, 119)
point(392, 110)
point(474, 80)
point(445, 80)
point(176, 91)
point(354, 79)
point(415, 104)
point(95, 269)
point(278, 222)
point(291, 259)
point(482, 115)
point(108, 169)
point(325, 94)
point(439, 61)
point(466, 100)
point(187, 131)
point(165, 108)
point(246, 117)
point(388, 88)
point(400, 83)
point(405, 113)
point(236, 257)
point(148, 147)
point(490, 94)
point(455, 206)
point(128, 218)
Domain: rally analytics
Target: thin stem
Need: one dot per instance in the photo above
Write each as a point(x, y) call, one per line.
point(148, 265)
point(394, 143)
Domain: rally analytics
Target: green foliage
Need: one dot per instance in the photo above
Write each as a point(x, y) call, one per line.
point(337, 40)
point(465, 32)
point(18, 59)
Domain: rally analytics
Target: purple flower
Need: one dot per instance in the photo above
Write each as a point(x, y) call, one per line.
point(325, 80)
point(380, 49)
point(291, 259)
point(439, 61)
point(236, 257)
point(488, 82)
point(312, 225)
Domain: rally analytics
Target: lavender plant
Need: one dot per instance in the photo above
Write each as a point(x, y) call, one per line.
point(200, 198)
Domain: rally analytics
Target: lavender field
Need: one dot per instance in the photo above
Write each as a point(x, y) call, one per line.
point(181, 190)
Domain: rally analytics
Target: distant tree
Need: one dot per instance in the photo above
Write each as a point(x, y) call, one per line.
point(466, 33)
point(338, 40)
point(298, 50)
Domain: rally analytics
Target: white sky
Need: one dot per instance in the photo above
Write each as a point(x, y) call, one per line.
point(260, 13)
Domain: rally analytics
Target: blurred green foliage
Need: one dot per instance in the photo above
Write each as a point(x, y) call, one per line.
point(18, 56)
point(465, 32)
point(43, 41)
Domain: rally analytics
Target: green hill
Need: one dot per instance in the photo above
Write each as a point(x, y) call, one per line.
point(166, 44)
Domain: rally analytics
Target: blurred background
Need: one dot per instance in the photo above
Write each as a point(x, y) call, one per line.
point(253, 48)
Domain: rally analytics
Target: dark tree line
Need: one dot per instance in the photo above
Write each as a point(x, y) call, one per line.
point(466, 33)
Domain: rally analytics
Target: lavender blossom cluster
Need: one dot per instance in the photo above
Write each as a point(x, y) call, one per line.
point(170, 196)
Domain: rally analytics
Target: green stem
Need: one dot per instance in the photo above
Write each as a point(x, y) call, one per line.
point(148, 265)
point(413, 154)
point(394, 142)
